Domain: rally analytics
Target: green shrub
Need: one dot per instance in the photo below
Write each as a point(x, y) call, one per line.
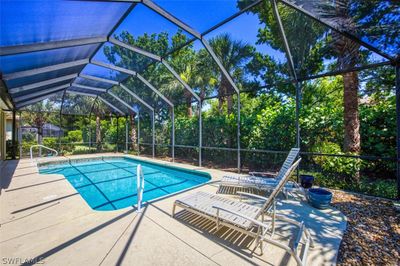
point(343, 167)
point(107, 147)
point(75, 136)
point(28, 136)
point(26, 145)
point(51, 142)
point(83, 150)
point(378, 187)
point(375, 187)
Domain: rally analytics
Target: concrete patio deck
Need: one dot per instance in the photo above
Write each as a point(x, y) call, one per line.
point(43, 219)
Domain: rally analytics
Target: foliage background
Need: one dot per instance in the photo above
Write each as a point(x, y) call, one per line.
point(267, 102)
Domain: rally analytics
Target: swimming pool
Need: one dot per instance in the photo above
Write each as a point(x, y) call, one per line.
point(109, 183)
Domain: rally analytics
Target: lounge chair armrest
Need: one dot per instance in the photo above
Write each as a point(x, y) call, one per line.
point(242, 216)
point(251, 195)
point(264, 174)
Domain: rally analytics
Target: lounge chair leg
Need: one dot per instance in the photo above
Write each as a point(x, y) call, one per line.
point(257, 242)
point(217, 221)
point(261, 242)
point(173, 210)
point(273, 218)
point(286, 193)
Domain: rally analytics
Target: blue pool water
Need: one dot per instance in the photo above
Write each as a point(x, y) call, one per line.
point(110, 183)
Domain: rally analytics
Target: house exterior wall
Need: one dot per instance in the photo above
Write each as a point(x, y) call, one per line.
point(8, 129)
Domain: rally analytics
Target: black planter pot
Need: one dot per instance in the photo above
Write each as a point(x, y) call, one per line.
point(306, 181)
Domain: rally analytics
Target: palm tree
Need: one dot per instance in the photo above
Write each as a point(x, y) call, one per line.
point(133, 130)
point(98, 133)
point(348, 56)
point(99, 109)
point(40, 113)
point(233, 55)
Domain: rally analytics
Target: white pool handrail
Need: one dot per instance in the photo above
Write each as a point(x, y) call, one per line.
point(42, 146)
point(140, 187)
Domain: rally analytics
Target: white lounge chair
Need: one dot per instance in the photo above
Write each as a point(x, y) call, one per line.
point(249, 219)
point(264, 180)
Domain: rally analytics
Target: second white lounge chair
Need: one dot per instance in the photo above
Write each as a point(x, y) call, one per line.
point(257, 180)
point(249, 219)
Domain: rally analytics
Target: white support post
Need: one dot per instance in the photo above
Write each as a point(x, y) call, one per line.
point(138, 132)
point(153, 131)
point(173, 134)
point(200, 132)
point(126, 134)
point(238, 133)
point(90, 135)
point(20, 135)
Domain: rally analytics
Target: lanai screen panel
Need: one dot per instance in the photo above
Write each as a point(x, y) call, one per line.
point(77, 89)
point(317, 49)
point(92, 83)
point(252, 60)
point(38, 90)
point(115, 103)
point(159, 76)
point(75, 104)
point(130, 100)
point(102, 110)
point(204, 14)
point(148, 30)
point(375, 22)
point(105, 73)
point(17, 82)
point(144, 92)
point(39, 59)
point(49, 104)
point(28, 22)
point(121, 56)
point(35, 60)
point(34, 25)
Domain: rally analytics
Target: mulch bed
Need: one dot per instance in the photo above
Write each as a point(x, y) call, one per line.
point(372, 236)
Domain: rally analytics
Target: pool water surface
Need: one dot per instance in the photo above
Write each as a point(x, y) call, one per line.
point(110, 183)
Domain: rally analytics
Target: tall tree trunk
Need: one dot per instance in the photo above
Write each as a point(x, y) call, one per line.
point(133, 131)
point(188, 100)
point(98, 134)
point(40, 139)
point(220, 100)
point(39, 123)
point(348, 56)
point(348, 52)
point(229, 103)
point(351, 117)
point(189, 111)
point(221, 95)
point(223, 92)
